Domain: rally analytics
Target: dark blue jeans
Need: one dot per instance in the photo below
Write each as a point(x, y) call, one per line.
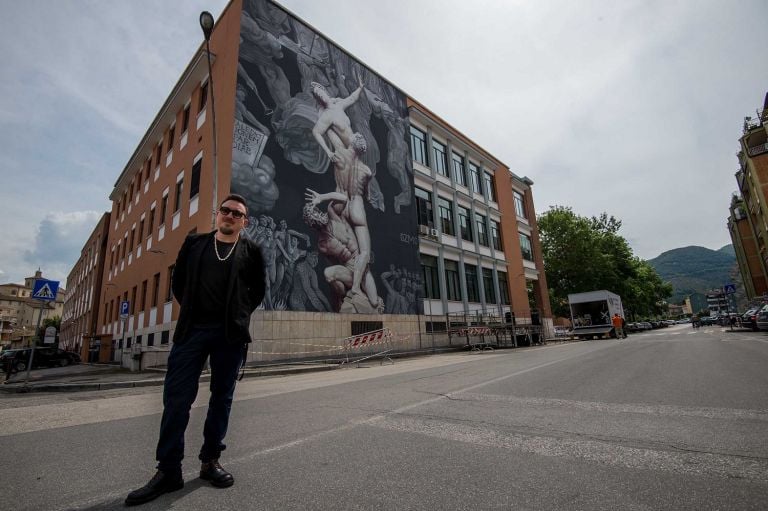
point(185, 364)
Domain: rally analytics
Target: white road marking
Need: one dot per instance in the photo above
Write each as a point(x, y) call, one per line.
point(693, 463)
point(615, 408)
point(743, 338)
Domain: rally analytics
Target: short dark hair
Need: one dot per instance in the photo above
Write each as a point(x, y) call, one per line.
point(237, 198)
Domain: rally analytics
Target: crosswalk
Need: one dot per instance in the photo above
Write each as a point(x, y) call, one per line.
point(622, 448)
point(724, 334)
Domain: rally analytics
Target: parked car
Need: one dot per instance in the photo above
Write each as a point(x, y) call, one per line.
point(44, 357)
point(762, 320)
point(749, 319)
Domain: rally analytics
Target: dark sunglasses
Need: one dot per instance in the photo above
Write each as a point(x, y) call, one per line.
point(235, 213)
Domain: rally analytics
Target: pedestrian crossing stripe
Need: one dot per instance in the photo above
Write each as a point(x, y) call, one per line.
point(44, 292)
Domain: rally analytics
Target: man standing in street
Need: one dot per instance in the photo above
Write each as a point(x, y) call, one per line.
point(618, 326)
point(218, 280)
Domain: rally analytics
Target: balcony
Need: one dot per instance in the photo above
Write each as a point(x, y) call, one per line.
point(751, 123)
point(758, 149)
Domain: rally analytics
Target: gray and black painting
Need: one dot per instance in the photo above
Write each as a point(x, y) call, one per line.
point(321, 154)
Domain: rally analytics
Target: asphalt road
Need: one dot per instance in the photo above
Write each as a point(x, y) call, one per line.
point(670, 419)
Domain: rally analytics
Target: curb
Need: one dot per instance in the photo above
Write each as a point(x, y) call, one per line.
point(19, 388)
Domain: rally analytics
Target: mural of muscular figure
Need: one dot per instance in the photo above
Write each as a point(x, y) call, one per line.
point(332, 116)
point(352, 174)
point(352, 177)
point(338, 243)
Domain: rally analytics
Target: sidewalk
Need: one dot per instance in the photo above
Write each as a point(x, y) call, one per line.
point(84, 377)
point(81, 377)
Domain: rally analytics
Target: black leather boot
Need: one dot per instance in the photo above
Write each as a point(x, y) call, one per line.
point(212, 471)
point(159, 484)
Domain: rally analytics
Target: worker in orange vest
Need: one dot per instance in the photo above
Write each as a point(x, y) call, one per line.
point(618, 326)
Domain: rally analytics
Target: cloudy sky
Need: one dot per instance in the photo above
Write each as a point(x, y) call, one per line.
point(633, 107)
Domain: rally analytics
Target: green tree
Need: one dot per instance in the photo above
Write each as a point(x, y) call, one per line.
point(572, 257)
point(54, 322)
point(585, 254)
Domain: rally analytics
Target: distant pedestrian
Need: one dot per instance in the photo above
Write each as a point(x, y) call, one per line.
point(8, 368)
point(218, 280)
point(618, 325)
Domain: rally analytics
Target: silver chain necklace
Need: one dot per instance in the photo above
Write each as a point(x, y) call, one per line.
point(216, 249)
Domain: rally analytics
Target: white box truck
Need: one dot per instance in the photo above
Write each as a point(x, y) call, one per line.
point(591, 313)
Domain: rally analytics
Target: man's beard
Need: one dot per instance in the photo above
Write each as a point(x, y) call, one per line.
point(225, 229)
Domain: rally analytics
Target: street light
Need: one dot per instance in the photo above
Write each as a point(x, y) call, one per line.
point(206, 23)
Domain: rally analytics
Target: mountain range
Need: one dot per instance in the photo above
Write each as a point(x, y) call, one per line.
point(694, 271)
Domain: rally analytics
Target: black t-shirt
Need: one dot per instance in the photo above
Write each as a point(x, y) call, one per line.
point(211, 299)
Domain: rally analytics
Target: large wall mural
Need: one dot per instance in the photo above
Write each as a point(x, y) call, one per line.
point(321, 154)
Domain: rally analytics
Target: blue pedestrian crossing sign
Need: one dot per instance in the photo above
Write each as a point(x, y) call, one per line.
point(729, 289)
point(125, 306)
point(45, 290)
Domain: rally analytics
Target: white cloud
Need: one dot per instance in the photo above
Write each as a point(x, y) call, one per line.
point(59, 240)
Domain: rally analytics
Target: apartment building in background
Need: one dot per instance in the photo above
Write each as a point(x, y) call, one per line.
point(83, 298)
point(444, 232)
point(21, 313)
point(748, 219)
point(750, 263)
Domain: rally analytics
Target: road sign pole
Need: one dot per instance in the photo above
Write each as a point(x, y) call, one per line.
point(32, 352)
point(122, 341)
point(45, 291)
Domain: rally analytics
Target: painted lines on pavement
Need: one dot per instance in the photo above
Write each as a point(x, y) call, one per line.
point(692, 463)
point(616, 408)
point(398, 411)
point(743, 338)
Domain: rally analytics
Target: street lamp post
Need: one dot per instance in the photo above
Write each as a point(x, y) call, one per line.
point(206, 23)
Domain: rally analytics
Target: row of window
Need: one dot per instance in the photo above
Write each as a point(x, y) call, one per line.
point(112, 309)
point(431, 286)
point(86, 262)
point(143, 174)
point(467, 229)
point(479, 182)
point(146, 225)
point(165, 337)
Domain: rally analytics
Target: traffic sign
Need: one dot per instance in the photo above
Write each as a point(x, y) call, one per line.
point(45, 290)
point(124, 308)
point(729, 289)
